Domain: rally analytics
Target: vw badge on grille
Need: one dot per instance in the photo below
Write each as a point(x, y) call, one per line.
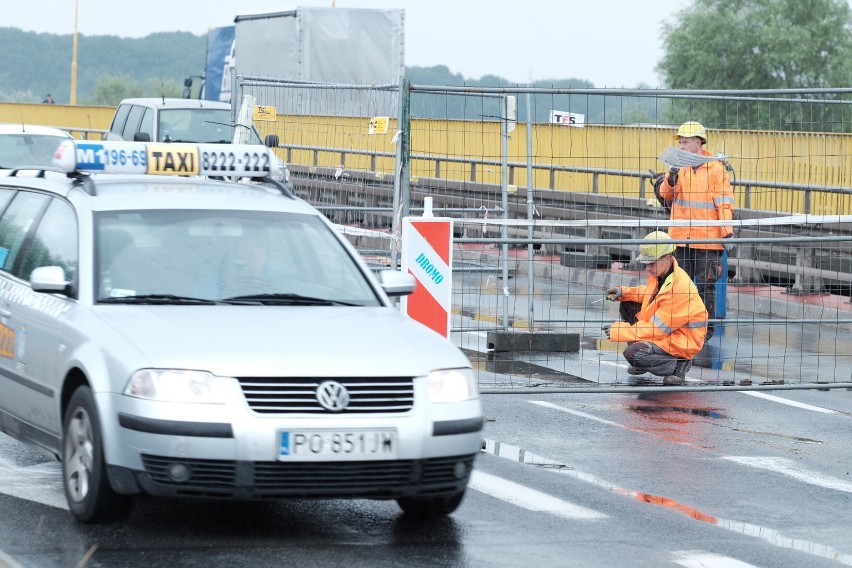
point(333, 396)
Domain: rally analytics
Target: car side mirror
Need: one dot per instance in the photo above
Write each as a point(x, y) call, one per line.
point(397, 283)
point(49, 279)
point(141, 137)
point(271, 141)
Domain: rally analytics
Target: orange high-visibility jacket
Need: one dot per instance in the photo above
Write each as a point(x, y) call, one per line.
point(675, 320)
point(701, 194)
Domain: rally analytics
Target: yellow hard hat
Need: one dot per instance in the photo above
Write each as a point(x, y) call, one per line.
point(658, 244)
point(690, 129)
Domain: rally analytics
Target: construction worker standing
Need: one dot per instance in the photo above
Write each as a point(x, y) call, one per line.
point(701, 193)
point(664, 320)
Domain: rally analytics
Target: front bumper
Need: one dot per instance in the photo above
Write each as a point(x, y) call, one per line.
point(229, 452)
point(241, 480)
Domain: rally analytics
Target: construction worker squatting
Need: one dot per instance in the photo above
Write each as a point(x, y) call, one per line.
point(664, 321)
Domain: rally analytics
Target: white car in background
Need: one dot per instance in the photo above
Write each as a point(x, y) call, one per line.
point(28, 147)
point(182, 121)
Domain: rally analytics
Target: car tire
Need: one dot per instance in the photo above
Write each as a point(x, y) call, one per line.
point(90, 497)
point(430, 507)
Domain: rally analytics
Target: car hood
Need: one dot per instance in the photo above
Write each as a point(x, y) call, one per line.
point(282, 340)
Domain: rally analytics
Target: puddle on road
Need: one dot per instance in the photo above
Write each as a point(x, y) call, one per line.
point(771, 536)
point(654, 405)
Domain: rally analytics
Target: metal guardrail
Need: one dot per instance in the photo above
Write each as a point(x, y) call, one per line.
point(85, 133)
point(747, 185)
point(365, 197)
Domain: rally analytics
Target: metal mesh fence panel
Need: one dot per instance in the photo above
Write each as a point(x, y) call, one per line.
point(551, 203)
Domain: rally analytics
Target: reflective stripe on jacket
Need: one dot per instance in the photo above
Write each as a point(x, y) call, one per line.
point(675, 320)
point(701, 194)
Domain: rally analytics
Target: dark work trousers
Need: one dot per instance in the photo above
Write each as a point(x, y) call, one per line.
point(704, 266)
point(645, 355)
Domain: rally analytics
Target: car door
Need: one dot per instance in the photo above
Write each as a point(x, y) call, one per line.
point(35, 230)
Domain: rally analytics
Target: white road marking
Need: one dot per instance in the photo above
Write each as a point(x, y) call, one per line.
point(771, 536)
point(801, 405)
point(552, 406)
point(701, 559)
point(792, 469)
point(41, 483)
point(529, 498)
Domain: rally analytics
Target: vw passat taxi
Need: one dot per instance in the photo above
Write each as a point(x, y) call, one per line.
point(166, 333)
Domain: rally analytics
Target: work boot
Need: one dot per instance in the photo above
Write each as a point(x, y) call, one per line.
point(635, 370)
point(678, 376)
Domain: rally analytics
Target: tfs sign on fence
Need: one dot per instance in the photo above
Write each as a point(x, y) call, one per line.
point(567, 118)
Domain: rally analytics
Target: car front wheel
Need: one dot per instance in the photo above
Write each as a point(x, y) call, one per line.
point(87, 488)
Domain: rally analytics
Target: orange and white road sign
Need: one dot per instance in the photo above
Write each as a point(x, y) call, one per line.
point(427, 253)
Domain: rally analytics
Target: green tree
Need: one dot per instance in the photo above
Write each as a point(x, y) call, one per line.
point(110, 89)
point(758, 44)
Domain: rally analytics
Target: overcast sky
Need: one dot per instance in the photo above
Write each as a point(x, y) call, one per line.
point(612, 43)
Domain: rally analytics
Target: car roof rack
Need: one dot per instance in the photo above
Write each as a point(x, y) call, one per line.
point(222, 161)
point(40, 170)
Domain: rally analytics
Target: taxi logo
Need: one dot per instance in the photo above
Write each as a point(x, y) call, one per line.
point(172, 159)
point(7, 341)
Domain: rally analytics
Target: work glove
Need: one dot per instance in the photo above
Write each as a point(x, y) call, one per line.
point(613, 294)
point(729, 246)
point(673, 171)
point(606, 330)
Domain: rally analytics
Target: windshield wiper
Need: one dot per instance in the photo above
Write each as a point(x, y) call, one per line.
point(287, 299)
point(157, 299)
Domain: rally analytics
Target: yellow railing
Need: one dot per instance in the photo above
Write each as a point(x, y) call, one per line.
point(800, 158)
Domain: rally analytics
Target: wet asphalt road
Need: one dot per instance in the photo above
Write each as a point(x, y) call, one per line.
point(712, 479)
point(718, 479)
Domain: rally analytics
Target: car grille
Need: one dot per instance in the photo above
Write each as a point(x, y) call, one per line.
point(279, 395)
point(310, 479)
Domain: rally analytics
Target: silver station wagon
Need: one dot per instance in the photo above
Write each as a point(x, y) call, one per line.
point(166, 333)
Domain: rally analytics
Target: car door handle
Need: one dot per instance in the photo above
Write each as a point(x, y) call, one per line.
point(5, 313)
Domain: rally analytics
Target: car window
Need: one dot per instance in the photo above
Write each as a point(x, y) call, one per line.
point(17, 220)
point(134, 117)
point(147, 124)
point(203, 125)
point(54, 242)
point(222, 254)
point(6, 196)
point(119, 119)
point(25, 149)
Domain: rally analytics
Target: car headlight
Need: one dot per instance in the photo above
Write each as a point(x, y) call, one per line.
point(174, 385)
point(452, 385)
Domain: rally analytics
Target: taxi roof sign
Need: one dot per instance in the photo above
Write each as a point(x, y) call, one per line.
point(232, 160)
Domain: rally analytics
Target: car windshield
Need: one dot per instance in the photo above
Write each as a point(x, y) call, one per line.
point(200, 125)
point(28, 150)
point(190, 257)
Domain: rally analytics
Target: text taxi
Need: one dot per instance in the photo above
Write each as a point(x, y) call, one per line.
point(166, 333)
